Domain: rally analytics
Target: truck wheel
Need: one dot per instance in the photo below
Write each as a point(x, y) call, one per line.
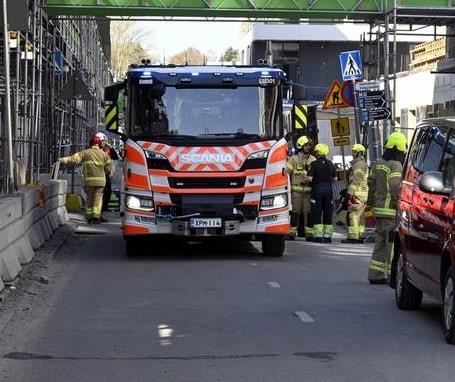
point(448, 308)
point(273, 245)
point(407, 296)
point(131, 246)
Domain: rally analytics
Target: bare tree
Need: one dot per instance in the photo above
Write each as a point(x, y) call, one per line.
point(127, 47)
point(190, 56)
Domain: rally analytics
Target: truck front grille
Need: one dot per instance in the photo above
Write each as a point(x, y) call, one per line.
point(198, 183)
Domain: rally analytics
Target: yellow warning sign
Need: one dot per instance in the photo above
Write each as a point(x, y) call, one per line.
point(341, 141)
point(340, 127)
point(334, 98)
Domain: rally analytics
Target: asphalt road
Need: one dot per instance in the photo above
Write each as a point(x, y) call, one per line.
point(213, 312)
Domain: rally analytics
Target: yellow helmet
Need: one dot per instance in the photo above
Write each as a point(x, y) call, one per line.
point(358, 148)
point(302, 141)
point(397, 140)
point(321, 149)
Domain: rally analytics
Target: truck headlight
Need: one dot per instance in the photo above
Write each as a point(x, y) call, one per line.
point(274, 201)
point(138, 203)
point(259, 155)
point(154, 155)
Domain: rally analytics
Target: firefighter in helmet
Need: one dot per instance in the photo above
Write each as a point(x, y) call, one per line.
point(322, 173)
point(384, 183)
point(357, 195)
point(297, 167)
point(96, 164)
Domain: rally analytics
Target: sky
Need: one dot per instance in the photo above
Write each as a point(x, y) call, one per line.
point(167, 38)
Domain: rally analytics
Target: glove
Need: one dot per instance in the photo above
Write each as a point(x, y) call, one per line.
point(351, 200)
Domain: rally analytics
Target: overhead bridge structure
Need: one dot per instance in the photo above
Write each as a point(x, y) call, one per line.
point(363, 10)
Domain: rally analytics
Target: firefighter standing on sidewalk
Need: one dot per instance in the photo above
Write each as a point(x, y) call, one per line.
point(297, 167)
point(96, 165)
point(357, 196)
point(322, 173)
point(384, 183)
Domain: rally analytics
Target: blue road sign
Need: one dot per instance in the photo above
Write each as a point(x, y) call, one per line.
point(351, 65)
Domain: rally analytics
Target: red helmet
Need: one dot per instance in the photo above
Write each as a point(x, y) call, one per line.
point(95, 140)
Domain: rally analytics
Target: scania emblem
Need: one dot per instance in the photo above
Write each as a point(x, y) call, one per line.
point(207, 158)
point(251, 180)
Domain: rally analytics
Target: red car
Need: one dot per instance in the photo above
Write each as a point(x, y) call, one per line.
point(424, 251)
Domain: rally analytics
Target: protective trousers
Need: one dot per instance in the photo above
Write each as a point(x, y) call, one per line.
point(94, 202)
point(356, 221)
point(107, 193)
point(322, 210)
point(301, 207)
point(380, 263)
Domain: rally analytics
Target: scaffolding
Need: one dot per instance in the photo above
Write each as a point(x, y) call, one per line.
point(44, 59)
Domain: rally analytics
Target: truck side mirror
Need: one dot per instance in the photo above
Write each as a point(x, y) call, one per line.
point(111, 93)
point(432, 182)
point(299, 91)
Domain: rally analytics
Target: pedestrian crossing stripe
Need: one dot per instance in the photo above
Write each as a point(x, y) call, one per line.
point(110, 117)
point(300, 116)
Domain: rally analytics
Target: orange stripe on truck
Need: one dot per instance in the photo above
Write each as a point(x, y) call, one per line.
point(133, 155)
point(278, 228)
point(137, 181)
point(169, 190)
point(276, 180)
point(226, 174)
point(129, 229)
point(280, 154)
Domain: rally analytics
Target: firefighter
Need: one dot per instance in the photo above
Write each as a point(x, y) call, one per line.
point(297, 167)
point(112, 154)
point(357, 195)
point(322, 173)
point(96, 165)
point(384, 183)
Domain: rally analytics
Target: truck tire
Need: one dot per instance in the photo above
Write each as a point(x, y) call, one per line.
point(131, 246)
point(407, 296)
point(448, 307)
point(273, 245)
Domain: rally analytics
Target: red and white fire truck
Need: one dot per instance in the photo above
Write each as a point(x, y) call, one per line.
point(204, 153)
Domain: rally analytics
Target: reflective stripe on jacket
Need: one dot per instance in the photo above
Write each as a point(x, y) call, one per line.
point(384, 184)
point(297, 167)
point(96, 164)
point(358, 179)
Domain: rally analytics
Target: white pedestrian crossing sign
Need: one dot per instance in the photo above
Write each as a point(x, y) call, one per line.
point(351, 65)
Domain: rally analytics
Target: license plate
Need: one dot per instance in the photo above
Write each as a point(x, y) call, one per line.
point(205, 223)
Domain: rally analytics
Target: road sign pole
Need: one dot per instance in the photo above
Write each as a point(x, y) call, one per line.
point(356, 116)
point(343, 159)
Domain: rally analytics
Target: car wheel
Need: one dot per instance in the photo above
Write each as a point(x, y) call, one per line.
point(407, 296)
point(448, 308)
point(273, 245)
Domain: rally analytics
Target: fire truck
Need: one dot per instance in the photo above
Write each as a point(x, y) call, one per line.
point(204, 154)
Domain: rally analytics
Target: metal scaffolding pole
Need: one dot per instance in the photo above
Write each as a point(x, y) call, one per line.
point(10, 181)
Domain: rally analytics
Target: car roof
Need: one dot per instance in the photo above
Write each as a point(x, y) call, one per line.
point(448, 121)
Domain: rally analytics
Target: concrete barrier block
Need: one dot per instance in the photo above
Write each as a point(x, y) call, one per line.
point(10, 264)
point(62, 215)
point(30, 198)
point(10, 210)
point(48, 226)
point(35, 238)
point(45, 233)
point(53, 220)
point(2, 286)
point(25, 251)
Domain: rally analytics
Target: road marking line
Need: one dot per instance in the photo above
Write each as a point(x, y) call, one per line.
point(304, 316)
point(254, 264)
point(273, 284)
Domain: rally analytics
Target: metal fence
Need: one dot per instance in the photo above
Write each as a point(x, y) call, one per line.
point(48, 119)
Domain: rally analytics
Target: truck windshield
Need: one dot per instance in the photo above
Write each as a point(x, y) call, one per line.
point(158, 110)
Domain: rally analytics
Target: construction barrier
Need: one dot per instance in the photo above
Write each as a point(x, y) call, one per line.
point(28, 219)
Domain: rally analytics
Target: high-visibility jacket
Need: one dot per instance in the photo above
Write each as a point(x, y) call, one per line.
point(297, 167)
point(384, 184)
point(96, 164)
point(358, 179)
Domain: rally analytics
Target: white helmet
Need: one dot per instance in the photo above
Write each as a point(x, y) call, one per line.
point(102, 137)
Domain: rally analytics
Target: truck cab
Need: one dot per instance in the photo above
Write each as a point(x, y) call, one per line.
point(205, 154)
